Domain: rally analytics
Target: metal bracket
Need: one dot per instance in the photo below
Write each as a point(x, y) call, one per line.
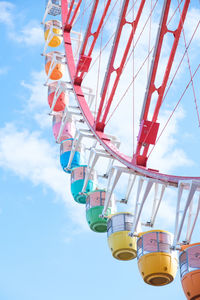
point(114, 176)
point(80, 133)
point(156, 203)
point(95, 154)
point(139, 205)
point(193, 187)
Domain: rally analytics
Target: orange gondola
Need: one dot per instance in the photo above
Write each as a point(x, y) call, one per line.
point(54, 66)
point(189, 261)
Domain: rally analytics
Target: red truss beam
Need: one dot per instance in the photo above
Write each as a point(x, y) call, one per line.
point(88, 117)
point(100, 120)
point(71, 14)
point(85, 58)
point(149, 129)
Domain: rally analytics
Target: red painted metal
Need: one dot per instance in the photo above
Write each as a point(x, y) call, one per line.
point(100, 136)
point(100, 122)
point(70, 11)
point(85, 58)
point(143, 146)
point(84, 63)
point(148, 132)
point(71, 14)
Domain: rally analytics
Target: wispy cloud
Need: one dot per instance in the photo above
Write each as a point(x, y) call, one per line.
point(31, 34)
point(38, 92)
point(167, 155)
point(191, 23)
point(36, 103)
point(6, 13)
point(31, 157)
point(4, 70)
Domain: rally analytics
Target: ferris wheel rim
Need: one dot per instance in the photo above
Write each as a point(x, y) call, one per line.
point(102, 138)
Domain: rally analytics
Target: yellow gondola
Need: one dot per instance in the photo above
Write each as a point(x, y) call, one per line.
point(156, 261)
point(52, 33)
point(123, 246)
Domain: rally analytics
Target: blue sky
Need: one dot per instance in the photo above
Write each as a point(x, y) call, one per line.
point(47, 251)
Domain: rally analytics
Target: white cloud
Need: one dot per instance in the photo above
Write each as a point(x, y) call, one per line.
point(167, 156)
point(32, 157)
point(38, 92)
point(37, 103)
point(191, 23)
point(167, 211)
point(166, 214)
point(29, 35)
point(4, 70)
point(6, 13)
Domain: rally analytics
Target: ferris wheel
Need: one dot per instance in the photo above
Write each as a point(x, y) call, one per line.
point(115, 83)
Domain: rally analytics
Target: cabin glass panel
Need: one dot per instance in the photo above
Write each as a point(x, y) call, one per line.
point(56, 119)
point(154, 242)
point(87, 205)
point(95, 199)
point(61, 149)
point(128, 222)
point(193, 258)
point(93, 175)
point(55, 8)
point(53, 24)
point(52, 87)
point(109, 227)
point(139, 247)
point(56, 2)
point(78, 174)
point(66, 146)
point(150, 242)
point(56, 55)
point(183, 264)
point(118, 223)
point(164, 242)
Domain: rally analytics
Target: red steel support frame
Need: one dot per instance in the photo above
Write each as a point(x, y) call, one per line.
point(72, 14)
point(100, 136)
point(100, 122)
point(141, 156)
point(85, 58)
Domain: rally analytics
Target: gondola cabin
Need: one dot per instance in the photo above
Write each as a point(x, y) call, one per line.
point(54, 7)
point(65, 151)
point(53, 33)
point(77, 182)
point(94, 208)
point(54, 67)
point(61, 101)
point(157, 262)
point(189, 262)
point(122, 246)
point(68, 131)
